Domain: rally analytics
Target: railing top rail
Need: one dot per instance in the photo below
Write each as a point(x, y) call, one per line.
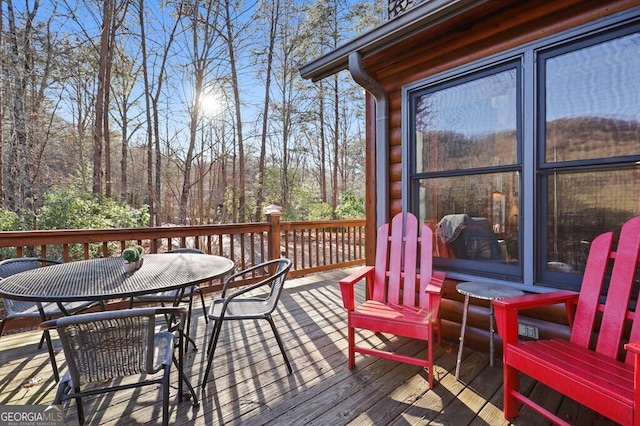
point(316, 246)
point(70, 236)
point(324, 223)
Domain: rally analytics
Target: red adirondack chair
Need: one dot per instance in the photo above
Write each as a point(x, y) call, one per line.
point(592, 367)
point(404, 292)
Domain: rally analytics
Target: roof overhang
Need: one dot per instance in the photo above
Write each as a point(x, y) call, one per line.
point(417, 19)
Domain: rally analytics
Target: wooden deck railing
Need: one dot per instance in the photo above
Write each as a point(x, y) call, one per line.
point(312, 246)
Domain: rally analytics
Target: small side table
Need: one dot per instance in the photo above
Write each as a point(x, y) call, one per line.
point(484, 291)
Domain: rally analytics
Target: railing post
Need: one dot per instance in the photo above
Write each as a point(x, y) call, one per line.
point(273, 213)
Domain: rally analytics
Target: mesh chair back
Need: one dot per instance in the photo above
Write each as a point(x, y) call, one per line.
point(98, 347)
point(185, 250)
point(277, 282)
point(20, 264)
point(10, 267)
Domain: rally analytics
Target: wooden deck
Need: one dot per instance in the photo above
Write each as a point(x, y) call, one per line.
point(250, 384)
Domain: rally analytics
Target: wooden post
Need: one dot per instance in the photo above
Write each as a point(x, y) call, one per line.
point(273, 214)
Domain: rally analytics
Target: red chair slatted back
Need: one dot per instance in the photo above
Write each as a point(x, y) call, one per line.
point(399, 276)
point(615, 310)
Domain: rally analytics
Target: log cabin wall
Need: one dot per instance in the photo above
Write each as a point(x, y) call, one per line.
point(494, 27)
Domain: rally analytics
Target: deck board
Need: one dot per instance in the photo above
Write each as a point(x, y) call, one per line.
point(249, 384)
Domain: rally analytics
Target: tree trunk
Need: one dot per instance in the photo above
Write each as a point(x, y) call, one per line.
point(101, 98)
point(275, 14)
point(323, 147)
point(147, 104)
point(21, 145)
point(240, 187)
point(2, 89)
point(336, 143)
point(155, 99)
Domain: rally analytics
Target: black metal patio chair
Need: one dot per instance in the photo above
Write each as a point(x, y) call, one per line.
point(25, 309)
point(103, 346)
point(243, 306)
point(169, 297)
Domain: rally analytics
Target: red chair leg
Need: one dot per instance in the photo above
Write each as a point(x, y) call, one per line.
point(352, 354)
point(430, 362)
point(511, 404)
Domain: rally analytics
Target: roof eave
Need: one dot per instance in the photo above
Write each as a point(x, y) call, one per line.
point(415, 20)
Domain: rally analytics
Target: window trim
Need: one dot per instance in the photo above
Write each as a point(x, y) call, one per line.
point(531, 277)
point(502, 272)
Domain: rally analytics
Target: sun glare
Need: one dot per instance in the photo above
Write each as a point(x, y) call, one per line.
point(211, 104)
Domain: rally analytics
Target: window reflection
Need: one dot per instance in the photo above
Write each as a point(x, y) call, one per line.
point(475, 217)
point(591, 118)
point(582, 206)
point(470, 151)
point(592, 97)
point(469, 125)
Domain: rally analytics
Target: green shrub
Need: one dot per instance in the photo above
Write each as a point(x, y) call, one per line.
point(9, 221)
point(350, 207)
point(67, 209)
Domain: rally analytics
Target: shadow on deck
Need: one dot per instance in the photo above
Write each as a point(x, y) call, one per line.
point(249, 383)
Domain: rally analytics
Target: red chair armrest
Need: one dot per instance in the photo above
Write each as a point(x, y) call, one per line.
point(434, 291)
point(530, 301)
point(436, 282)
point(634, 353)
point(347, 285)
point(633, 347)
point(506, 310)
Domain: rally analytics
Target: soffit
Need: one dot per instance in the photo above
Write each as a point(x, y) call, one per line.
point(416, 20)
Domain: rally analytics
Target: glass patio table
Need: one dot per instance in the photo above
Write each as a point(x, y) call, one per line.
point(105, 279)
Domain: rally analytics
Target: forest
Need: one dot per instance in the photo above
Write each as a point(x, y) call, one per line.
point(119, 113)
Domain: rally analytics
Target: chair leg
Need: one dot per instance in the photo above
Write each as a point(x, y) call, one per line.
point(79, 408)
point(351, 336)
point(42, 338)
point(165, 395)
point(188, 324)
point(284, 354)
point(430, 361)
point(204, 306)
point(511, 404)
point(211, 350)
point(52, 356)
point(3, 322)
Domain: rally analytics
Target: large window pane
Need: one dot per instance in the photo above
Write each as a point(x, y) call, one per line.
point(469, 125)
point(470, 151)
point(484, 206)
point(592, 98)
point(583, 205)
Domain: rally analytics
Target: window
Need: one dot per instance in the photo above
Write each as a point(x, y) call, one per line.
point(475, 166)
point(589, 147)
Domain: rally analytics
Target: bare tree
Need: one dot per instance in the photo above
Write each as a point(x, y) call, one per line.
point(2, 90)
point(112, 18)
point(101, 104)
point(123, 84)
point(202, 21)
point(77, 93)
point(155, 90)
point(20, 149)
point(232, 35)
point(147, 105)
point(206, 44)
point(272, 14)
